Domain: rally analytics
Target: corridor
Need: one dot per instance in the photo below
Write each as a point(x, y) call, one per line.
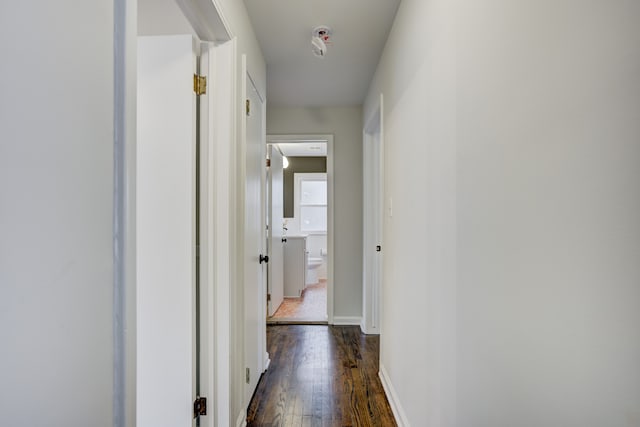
point(320, 376)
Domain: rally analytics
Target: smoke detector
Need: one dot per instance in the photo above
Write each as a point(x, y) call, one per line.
point(320, 38)
point(318, 47)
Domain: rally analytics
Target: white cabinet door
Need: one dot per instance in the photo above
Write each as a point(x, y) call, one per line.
point(295, 266)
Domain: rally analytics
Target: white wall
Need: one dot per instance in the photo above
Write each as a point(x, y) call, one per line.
point(549, 209)
point(416, 76)
point(56, 213)
point(511, 288)
point(345, 123)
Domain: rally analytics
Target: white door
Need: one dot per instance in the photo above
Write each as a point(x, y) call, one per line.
point(276, 213)
point(165, 232)
point(254, 238)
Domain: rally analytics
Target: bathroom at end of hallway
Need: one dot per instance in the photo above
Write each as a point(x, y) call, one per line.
point(297, 222)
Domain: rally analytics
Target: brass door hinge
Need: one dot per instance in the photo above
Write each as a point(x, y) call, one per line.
point(199, 84)
point(268, 297)
point(199, 406)
point(248, 107)
point(268, 163)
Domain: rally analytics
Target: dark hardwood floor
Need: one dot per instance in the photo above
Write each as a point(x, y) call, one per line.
point(320, 376)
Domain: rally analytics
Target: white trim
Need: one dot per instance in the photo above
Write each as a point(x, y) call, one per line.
point(238, 327)
point(346, 321)
point(225, 180)
point(267, 361)
point(373, 232)
point(241, 421)
point(398, 413)
point(217, 157)
point(363, 327)
point(206, 256)
point(206, 19)
point(276, 138)
point(124, 212)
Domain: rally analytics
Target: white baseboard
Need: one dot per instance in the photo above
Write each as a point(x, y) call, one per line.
point(242, 419)
point(267, 361)
point(368, 331)
point(347, 320)
point(392, 397)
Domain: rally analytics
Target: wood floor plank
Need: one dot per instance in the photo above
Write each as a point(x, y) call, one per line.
point(320, 376)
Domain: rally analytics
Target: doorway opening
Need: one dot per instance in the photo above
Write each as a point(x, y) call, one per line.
point(300, 226)
point(182, 170)
point(373, 224)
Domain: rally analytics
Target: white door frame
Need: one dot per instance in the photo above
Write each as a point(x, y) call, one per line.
point(217, 239)
point(125, 30)
point(373, 152)
point(328, 138)
point(275, 239)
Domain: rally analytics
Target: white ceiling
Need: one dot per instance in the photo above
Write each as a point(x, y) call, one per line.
point(303, 149)
point(295, 77)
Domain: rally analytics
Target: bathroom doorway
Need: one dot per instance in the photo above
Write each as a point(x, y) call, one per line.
point(299, 207)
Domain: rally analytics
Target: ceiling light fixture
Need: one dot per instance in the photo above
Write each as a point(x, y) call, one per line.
point(320, 38)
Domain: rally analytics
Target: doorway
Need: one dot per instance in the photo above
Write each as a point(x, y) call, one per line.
point(373, 174)
point(300, 225)
point(182, 172)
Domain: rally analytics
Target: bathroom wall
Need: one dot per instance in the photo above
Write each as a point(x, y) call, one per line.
point(299, 165)
point(345, 123)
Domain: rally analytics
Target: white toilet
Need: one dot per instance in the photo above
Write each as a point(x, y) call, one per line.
point(312, 270)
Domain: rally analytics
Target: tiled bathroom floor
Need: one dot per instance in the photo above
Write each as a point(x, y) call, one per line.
point(310, 307)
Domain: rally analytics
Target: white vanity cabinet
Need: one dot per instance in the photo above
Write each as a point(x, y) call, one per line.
point(295, 265)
